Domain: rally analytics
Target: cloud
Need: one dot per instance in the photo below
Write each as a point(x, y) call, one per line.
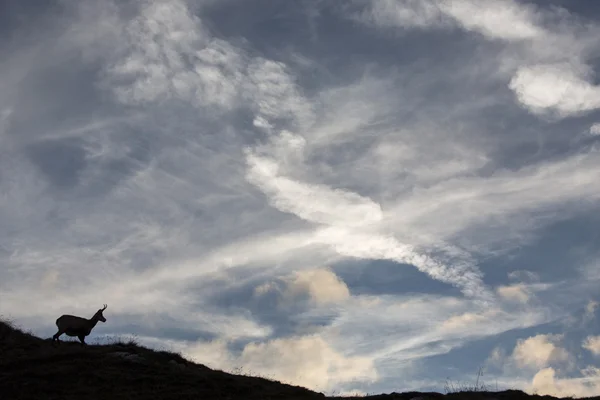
point(308, 361)
point(557, 87)
point(516, 293)
point(441, 209)
point(592, 344)
point(50, 279)
point(591, 307)
point(350, 220)
point(463, 321)
point(166, 53)
point(213, 185)
point(539, 351)
point(595, 129)
point(524, 276)
point(348, 112)
point(546, 382)
point(496, 358)
point(312, 202)
point(302, 301)
point(551, 363)
point(412, 327)
point(321, 285)
point(321, 204)
point(551, 78)
point(376, 246)
point(505, 20)
point(276, 95)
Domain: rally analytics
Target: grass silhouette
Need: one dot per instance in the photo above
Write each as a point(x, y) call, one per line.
point(34, 368)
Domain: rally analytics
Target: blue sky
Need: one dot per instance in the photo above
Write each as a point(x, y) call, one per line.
point(353, 196)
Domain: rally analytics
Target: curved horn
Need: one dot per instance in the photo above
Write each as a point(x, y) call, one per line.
point(104, 307)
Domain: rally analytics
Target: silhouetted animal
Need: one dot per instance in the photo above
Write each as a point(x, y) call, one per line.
point(77, 326)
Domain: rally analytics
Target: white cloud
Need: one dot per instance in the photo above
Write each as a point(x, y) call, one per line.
point(542, 354)
point(170, 54)
point(322, 285)
point(309, 361)
point(316, 203)
point(369, 245)
point(410, 327)
point(506, 19)
point(550, 77)
point(312, 202)
point(518, 293)
point(425, 199)
point(546, 382)
point(556, 87)
point(275, 93)
point(592, 344)
point(350, 219)
point(456, 206)
point(158, 47)
point(539, 351)
point(468, 320)
point(346, 113)
point(595, 129)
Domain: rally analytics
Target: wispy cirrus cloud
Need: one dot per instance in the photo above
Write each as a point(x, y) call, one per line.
point(550, 75)
point(505, 20)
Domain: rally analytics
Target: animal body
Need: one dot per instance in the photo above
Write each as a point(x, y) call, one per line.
point(77, 326)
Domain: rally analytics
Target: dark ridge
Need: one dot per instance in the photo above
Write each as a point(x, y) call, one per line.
point(32, 368)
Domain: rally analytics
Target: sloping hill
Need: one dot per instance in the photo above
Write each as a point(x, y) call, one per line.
point(32, 368)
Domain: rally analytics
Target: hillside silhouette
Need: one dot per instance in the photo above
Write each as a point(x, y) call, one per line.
point(34, 368)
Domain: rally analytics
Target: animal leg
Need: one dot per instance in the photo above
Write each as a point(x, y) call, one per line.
point(82, 339)
point(56, 336)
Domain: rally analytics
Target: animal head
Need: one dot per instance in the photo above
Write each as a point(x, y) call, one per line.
point(99, 315)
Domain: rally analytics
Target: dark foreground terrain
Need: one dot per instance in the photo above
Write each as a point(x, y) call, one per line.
point(32, 368)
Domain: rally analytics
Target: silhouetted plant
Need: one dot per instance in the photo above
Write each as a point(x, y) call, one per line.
point(477, 386)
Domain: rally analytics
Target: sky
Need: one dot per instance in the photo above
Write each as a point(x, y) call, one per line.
point(352, 196)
